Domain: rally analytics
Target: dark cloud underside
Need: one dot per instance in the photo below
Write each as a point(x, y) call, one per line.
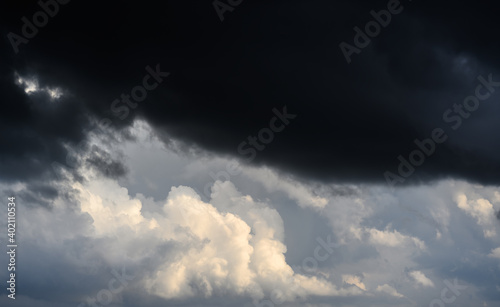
point(353, 120)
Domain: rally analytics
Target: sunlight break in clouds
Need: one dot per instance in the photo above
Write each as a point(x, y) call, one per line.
point(31, 86)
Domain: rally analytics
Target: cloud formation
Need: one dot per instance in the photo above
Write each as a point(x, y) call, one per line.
point(233, 246)
point(353, 120)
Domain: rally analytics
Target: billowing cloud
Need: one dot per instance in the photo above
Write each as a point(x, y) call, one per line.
point(392, 238)
point(495, 253)
point(480, 209)
point(242, 240)
point(421, 279)
point(233, 246)
point(354, 280)
point(385, 288)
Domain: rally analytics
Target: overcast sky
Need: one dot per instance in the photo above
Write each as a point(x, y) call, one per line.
point(251, 153)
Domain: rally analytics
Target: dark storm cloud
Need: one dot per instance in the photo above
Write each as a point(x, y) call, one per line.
point(33, 129)
point(226, 77)
point(104, 163)
point(34, 132)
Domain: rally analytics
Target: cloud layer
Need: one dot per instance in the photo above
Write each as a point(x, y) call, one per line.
point(353, 120)
point(390, 246)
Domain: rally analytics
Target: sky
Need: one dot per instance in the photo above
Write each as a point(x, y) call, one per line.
point(250, 153)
